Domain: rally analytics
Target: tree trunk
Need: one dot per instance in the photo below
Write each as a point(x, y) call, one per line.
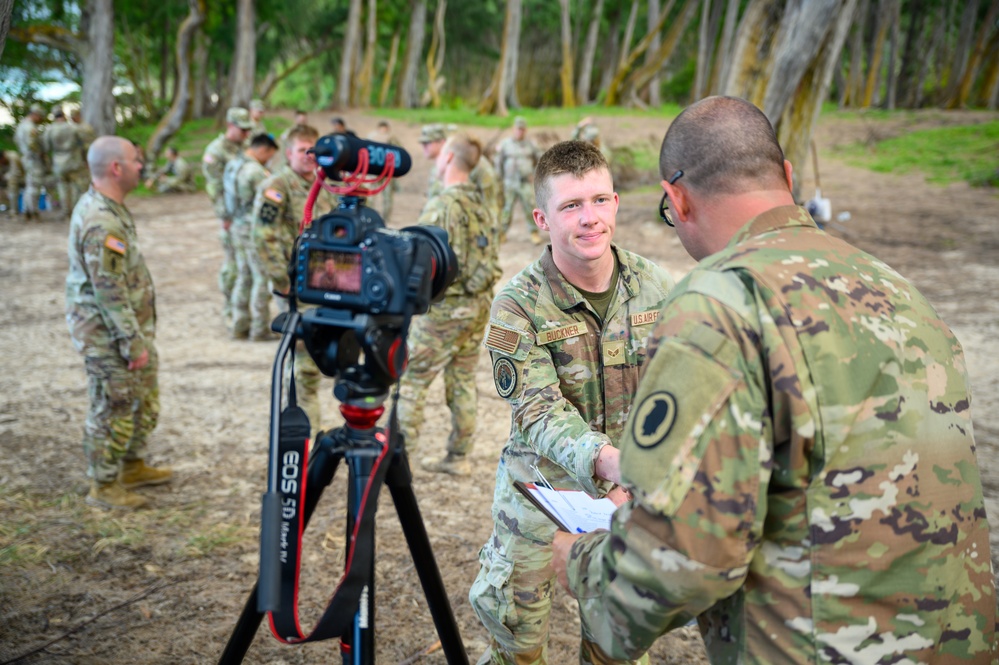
point(891, 87)
point(609, 60)
point(855, 77)
point(626, 64)
point(435, 55)
point(881, 26)
point(629, 33)
point(754, 44)
point(915, 52)
point(641, 77)
point(290, 61)
point(351, 40)
point(565, 74)
point(174, 118)
point(714, 26)
point(368, 68)
point(6, 8)
point(990, 79)
point(96, 98)
point(508, 81)
point(408, 95)
point(723, 62)
point(389, 70)
point(244, 65)
point(164, 57)
point(974, 63)
point(590, 52)
point(703, 52)
point(655, 98)
point(960, 61)
point(200, 94)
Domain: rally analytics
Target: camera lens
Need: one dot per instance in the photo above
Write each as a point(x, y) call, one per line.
point(445, 263)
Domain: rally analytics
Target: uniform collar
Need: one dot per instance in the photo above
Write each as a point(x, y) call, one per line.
point(772, 220)
point(566, 296)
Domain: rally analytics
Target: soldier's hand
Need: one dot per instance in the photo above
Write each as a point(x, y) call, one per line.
point(139, 362)
point(560, 554)
point(619, 495)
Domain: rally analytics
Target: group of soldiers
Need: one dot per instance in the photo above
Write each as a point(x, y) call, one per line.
point(49, 158)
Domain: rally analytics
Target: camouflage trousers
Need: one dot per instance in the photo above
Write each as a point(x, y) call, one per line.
point(173, 185)
point(512, 594)
point(250, 300)
point(524, 192)
point(124, 409)
point(227, 273)
point(383, 202)
point(34, 180)
point(68, 184)
point(447, 338)
point(13, 189)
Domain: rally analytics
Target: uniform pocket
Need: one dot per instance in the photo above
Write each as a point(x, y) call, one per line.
point(491, 594)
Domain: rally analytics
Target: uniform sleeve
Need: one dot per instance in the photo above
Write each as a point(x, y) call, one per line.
point(181, 170)
point(105, 256)
point(213, 166)
point(269, 235)
point(445, 213)
point(697, 455)
point(527, 378)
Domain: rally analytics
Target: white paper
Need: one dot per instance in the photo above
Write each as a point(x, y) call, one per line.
point(577, 511)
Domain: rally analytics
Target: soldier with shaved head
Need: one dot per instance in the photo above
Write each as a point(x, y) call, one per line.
point(800, 450)
point(110, 310)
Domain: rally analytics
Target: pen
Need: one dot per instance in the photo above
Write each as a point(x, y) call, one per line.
point(548, 485)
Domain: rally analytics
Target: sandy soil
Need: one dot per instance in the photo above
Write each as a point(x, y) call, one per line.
point(165, 585)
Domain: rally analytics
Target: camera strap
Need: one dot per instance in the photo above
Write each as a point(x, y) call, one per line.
point(339, 614)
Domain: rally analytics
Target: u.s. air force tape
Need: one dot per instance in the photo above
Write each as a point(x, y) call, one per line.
point(653, 419)
point(504, 376)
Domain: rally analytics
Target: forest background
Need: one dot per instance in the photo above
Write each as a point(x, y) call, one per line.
point(167, 62)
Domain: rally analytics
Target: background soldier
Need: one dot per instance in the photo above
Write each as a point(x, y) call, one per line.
point(257, 112)
point(65, 148)
point(483, 176)
point(448, 337)
point(224, 147)
point(87, 135)
point(516, 158)
point(242, 175)
point(176, 176)
point(587, 130)
point(277, 213)
point(383, 202)
point(28, 138)
point(15, 178)
point(299, 118)
point(567, 337)
point(112, 321)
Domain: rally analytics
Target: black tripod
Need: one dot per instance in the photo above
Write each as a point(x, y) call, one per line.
point(362, 445)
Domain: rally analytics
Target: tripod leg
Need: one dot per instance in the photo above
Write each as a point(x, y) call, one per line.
point(399, 481)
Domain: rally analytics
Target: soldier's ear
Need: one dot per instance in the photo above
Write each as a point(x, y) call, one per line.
point(540, 220)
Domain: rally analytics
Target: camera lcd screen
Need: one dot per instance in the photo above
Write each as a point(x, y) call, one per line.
point(335, 271)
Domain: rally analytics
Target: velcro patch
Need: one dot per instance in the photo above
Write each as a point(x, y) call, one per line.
point(574, 329)
point(614, 353)
point(644, 318)
point(505, 377)
point(502, 339)
point(115, 244)
point(273, 195)
point(268, 212)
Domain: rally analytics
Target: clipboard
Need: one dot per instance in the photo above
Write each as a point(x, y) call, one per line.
point(574, 512)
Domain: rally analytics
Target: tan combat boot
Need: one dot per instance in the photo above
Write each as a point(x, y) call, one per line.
point(535, 237)
point(456, 465)
point(135, 473)
point(113, 495)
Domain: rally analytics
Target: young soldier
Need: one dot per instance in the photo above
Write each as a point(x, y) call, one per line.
point(568, 337)
point(448, 337)
point(801, 449)
point(516, 158)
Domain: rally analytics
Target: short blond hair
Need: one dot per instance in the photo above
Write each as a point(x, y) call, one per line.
point(574, 157)
point(466, 150)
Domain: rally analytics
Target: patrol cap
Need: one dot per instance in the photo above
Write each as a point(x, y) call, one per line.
point(257, 105)
point(239, 116)
point(519, 122)
point(37, 108)
point(591, 133)
point(431, 133)
point(450, 129)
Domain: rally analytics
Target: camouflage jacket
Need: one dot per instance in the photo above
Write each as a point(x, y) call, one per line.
point(15, 171)
point(277, 212)
point(473, 234)
point(568, 377)
point(110, 301)
point(178, 169)
point(62, 142)
point(250, 175)
point(218, 152)
point(803, 465)
point(483, 176)
point(28, 139)
point(515, 161)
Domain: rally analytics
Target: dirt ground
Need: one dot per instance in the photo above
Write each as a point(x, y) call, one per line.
point(165, 585)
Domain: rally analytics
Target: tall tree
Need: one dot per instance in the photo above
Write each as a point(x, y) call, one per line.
point(628, 59)
point(965, 40)
point(96, 98)
point(915, 51)
point(389, 69)
point(502, 91)
point(891, 73)
point(655, 99)
point(723, 59)
point(705, 40)
point(970, 74)
point(882, 25)
point(368, 68)
point(640, 78)
point(565, 75)
point(408, 94)
point(589, 53)
point(244, 65)
point(351, 42)
point(6, 8)
point(435, 56)
point(854, 92)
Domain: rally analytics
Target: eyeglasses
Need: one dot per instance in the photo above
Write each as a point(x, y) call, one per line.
point(664, 204)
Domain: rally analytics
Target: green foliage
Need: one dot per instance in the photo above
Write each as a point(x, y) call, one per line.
point(541, 117)
point(945, 154)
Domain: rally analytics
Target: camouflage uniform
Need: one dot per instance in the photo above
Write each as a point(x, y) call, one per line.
point(515, 162)
point(483, 176)
point(175, 176)
point(569, 379)
point(383, 201)
point(803, 465)
point(251, 283)
point(62, 142)
point(277, 212)
point(218, 152)
point(110, 310)
point(87, 135)
point(15, 178)
point(591, 134)
point(28, 138)
point(448, 337)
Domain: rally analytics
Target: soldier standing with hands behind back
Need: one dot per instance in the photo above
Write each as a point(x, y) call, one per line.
point(516, 158)
point(111, 313)
point(224, 147)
